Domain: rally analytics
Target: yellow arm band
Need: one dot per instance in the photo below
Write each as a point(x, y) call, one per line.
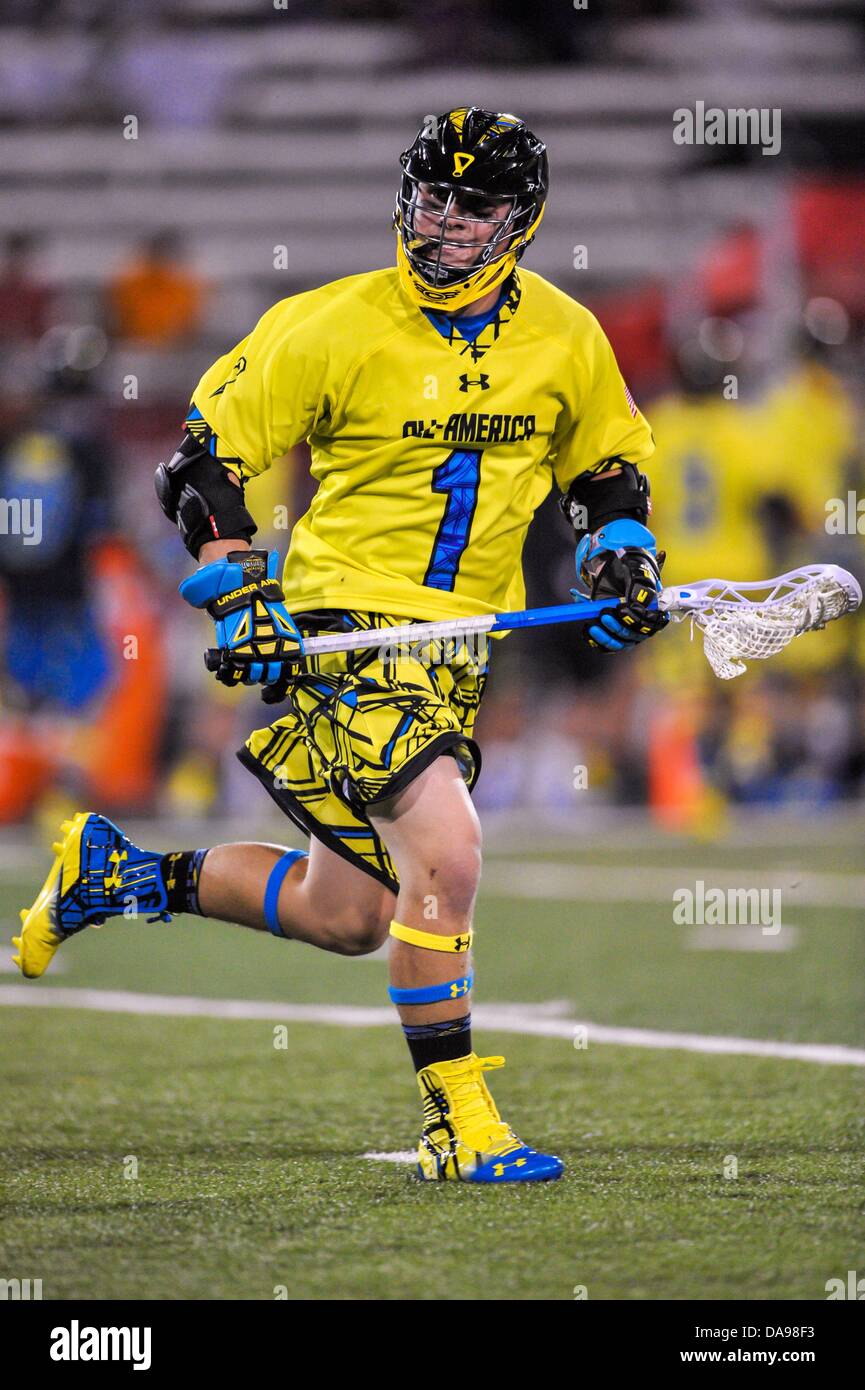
point(430, 940)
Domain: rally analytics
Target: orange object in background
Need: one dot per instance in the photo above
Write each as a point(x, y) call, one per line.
point(680, 798)
point(27, 768)
point(157, 299)
point(119, 747)
point(108, 753)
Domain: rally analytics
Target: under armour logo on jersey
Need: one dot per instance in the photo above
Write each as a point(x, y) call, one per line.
point(482, 381)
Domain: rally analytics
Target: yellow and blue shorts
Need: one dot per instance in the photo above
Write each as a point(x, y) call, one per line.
point(359, 726)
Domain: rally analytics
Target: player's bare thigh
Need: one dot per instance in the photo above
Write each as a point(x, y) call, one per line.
point(433, 835)
point(336, 894)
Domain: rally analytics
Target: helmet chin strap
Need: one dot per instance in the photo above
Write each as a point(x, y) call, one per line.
point(451, 298)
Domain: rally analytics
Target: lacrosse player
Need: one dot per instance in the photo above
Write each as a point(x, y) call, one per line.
point(442, 399)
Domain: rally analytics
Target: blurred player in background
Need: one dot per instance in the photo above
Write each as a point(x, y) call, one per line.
point(442, 399)
point(714, 473)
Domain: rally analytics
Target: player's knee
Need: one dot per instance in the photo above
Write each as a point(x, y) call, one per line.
point(363, 929)
point(460, 879)
point(448, 877)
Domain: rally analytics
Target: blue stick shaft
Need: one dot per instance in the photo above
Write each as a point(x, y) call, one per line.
point(560, 613)
point(581, 608)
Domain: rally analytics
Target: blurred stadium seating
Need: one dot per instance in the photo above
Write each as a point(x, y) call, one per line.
point(257, 129)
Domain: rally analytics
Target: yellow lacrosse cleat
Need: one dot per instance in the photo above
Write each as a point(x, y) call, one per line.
point(464, 1138)
point(97, 873)
point(39, 939)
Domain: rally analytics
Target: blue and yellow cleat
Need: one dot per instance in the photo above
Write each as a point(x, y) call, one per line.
point(97, 873)
point(464, 1138)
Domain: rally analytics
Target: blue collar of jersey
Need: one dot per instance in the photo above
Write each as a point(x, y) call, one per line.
point(469, 326)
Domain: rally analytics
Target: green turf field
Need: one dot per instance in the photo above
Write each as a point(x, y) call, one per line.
point(250, 1175)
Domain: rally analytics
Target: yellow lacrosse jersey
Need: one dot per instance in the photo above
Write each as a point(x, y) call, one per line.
point(431, 453)
point(807, 430)
point(706, 495)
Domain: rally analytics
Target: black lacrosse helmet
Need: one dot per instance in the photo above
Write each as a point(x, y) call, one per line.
point(477, 159)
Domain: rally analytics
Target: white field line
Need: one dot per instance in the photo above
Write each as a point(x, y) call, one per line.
point(629, 883)
point(526, 1019)
point(401, 1156)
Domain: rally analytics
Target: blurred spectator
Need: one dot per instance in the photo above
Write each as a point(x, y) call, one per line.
point(829, 221)
point(25, 303)
point(730, 270)
point(80, 646)
point(157, 300)
point(634, 323)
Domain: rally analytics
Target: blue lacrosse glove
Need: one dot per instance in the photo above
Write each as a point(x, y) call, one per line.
point(258, 643)
point(621, 560)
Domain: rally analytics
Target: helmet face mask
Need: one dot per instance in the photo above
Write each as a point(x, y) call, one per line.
point(459, 240)
point(442, 223)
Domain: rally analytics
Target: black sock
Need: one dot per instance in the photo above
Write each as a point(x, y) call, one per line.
point(438, 1042)
point(180, 873)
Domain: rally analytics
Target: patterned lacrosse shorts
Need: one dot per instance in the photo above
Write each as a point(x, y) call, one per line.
point(359, 726)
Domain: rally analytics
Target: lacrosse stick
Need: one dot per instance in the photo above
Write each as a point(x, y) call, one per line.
point(739, 622)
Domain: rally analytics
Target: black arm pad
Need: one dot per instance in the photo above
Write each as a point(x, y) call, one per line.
point(593, 499)
point(195, 492)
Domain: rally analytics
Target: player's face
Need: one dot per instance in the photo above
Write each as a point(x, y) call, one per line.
point(471, 221)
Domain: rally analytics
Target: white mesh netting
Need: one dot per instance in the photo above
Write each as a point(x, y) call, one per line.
point(749, 622)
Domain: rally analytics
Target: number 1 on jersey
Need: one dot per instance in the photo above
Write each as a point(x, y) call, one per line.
point(459, 478)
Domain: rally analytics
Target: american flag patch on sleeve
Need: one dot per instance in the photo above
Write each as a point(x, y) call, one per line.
point(632, 404)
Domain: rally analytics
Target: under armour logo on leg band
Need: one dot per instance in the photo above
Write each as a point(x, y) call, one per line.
point(431, 941)
point(432, 994)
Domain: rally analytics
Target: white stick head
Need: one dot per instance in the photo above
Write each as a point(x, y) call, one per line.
point(754, 620)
